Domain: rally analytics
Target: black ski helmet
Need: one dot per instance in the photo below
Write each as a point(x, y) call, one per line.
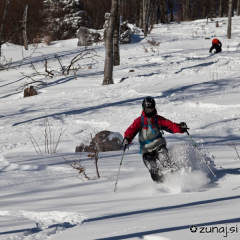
point(148, 102)
point(148, 106)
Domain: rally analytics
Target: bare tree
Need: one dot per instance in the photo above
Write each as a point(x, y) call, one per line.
point(141, 14)
point(24, 30)
point(229, 28)
point(116, 38)
point(3, 25)
point(146, 7)
point(220, 8)
point(108, 68)
point(170, 7)
point(238, 7)
point(163, 11)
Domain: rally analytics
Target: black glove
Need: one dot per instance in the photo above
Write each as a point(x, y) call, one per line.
point(126, 140)
point(183, 127)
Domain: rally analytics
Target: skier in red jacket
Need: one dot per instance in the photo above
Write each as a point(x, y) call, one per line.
point(152, 143)
point(217, 45)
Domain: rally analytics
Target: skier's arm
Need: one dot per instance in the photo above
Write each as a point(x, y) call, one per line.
point(168, 125)
point(133, 129)
point(212, 47)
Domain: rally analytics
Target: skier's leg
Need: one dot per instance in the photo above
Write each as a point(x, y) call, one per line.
point(164, 158)
point(150, 161)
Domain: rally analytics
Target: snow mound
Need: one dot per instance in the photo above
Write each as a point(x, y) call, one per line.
point(3, 163)
point(46, 219)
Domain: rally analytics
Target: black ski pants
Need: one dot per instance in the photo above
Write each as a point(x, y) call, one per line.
point(154, 161)
point(217, 47)
point(151, 162)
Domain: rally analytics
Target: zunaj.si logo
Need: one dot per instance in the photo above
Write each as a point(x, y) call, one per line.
point(213, 229)
point(193, 228)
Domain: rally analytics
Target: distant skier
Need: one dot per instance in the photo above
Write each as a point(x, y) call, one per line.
point(152, 143)
point(217, 45)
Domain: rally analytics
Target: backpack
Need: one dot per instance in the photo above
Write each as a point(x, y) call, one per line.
point(150, 126)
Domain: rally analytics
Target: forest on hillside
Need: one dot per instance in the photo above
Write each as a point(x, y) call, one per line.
point(61, 19)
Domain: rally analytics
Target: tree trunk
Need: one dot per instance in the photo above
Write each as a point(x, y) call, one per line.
point(213, 8)
point(163, 11)
point(108, 68)
point(204, 9)
point(141, 14)
point(184, 10)
point(3, 25)
point(116, 39)
point(220, 8)
point(146, 6)
point(24, 30)
point(225, 8)
point(170, 7)
point(194, 10)
point(229, 28)
point(238, 7)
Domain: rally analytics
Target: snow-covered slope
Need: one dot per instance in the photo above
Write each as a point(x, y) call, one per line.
point(42, 197)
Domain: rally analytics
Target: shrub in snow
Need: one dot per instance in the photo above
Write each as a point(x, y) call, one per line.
point(52, 136)
point(77, 165)
point(153, 46)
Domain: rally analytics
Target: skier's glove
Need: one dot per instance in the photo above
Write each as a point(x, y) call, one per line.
point(183, 127)
point(126, 140)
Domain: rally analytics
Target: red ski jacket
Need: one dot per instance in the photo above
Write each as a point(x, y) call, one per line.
point(162, 122)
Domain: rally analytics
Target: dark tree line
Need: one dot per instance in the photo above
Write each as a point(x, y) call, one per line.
point(143, 13)
point(14, 19)
point(160, 11)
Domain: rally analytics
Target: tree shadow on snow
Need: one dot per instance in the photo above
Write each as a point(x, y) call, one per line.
point(141, 235)
point(155, 210)
point(80, 111)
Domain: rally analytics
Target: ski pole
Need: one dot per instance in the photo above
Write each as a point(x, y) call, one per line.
point(119, 168)
point(194, 144)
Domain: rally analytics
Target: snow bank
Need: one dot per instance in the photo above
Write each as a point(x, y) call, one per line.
point(46, 219)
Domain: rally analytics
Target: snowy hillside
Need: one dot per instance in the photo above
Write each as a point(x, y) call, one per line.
point(42, 197)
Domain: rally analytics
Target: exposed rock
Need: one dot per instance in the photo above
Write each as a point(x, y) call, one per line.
point(87, 37)
point(88, 67)
point(125, 33)
point(31, 91)
point(103, 141)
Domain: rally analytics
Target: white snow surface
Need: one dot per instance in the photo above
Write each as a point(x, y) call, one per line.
point(42, 197)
